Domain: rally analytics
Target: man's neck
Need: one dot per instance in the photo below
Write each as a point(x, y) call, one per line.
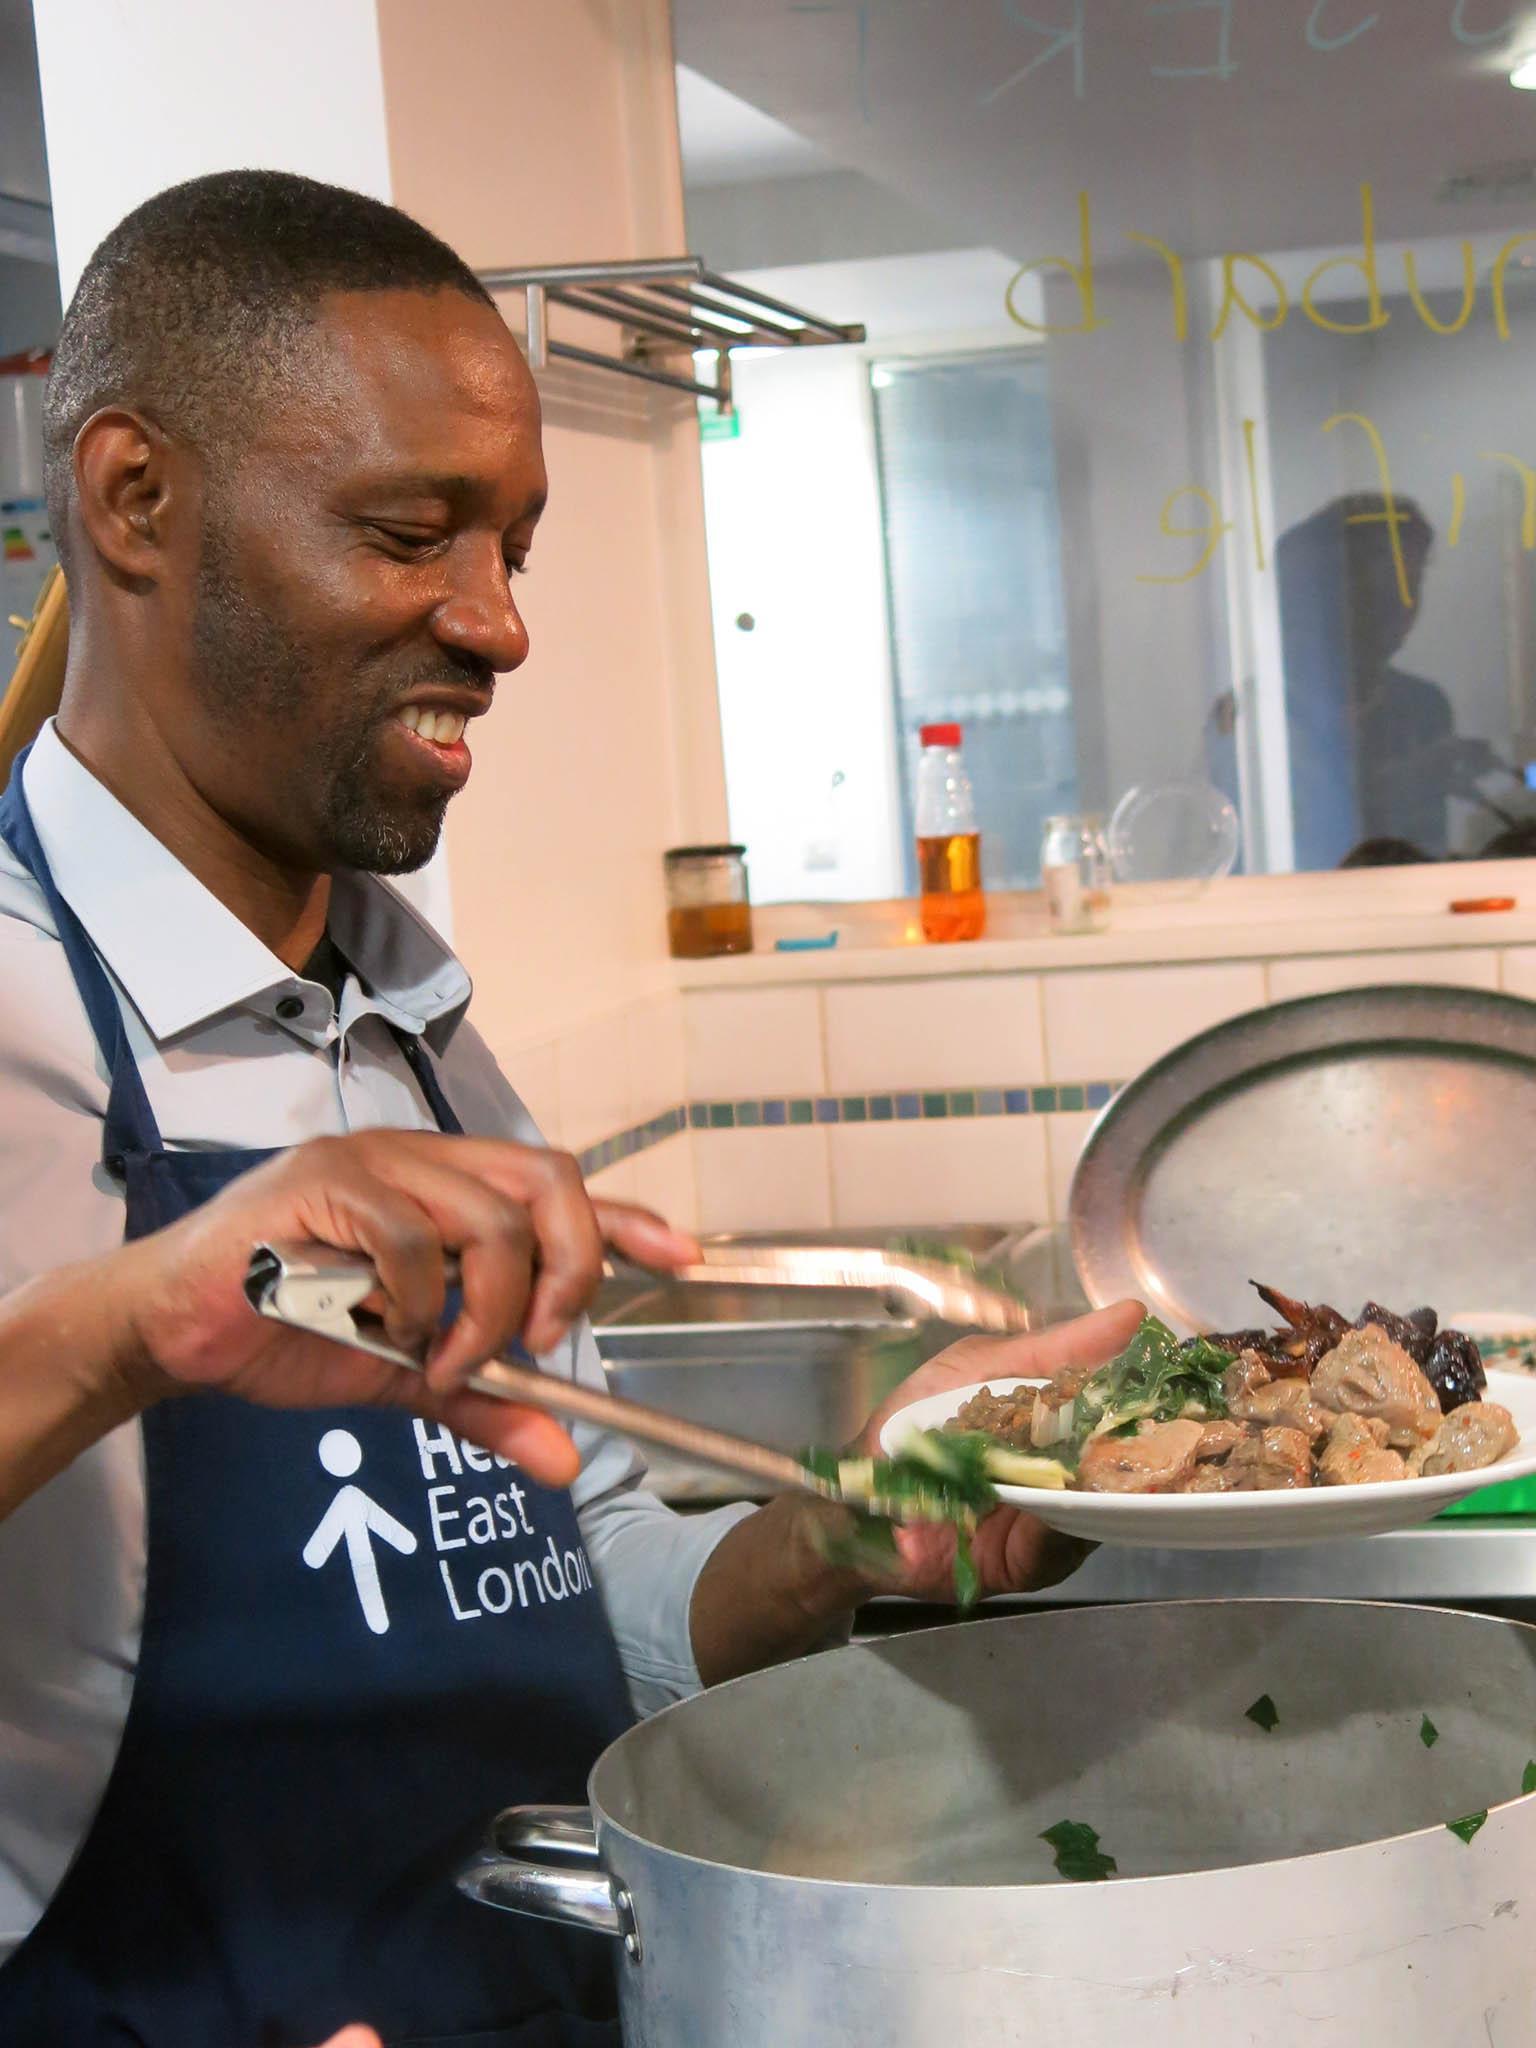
point(285, 908)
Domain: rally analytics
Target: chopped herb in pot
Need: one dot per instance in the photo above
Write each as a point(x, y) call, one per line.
point(1264, 1714)
point(1429, 1734)
point(1466, 1828)
point(1079, 1858)
point(1528, 1782)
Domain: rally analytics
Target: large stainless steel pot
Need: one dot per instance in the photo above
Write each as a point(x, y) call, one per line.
point(845, 1852)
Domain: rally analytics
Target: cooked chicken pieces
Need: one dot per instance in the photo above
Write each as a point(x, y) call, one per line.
point(1356, 1453)
point(1471, 1437)
point(1158, 1459)
point(1367, 1374)
point(1273, 1460)
point(1217, 1438)
point(1287, 1404)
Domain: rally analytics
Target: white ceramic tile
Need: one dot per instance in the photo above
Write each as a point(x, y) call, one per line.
point(1520, 972)
point(533, 1072)
point(744, 1042)
point(617, 1182)
point(593, 1066)
point(657, 1071)
point(762, 1179)
point(1450, 967)
point(965, 1170)
point(1107, 1024)
point(978, 1031)
point(664, 1181)
point(1065, 1135)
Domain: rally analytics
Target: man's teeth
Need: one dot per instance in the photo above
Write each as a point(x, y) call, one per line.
point(442, 727)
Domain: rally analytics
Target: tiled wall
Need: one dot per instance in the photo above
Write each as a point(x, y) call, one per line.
point(962, 1099)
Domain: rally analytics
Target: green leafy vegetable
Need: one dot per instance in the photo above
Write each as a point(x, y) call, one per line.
point(1469, 1826)
point(940, 1477)
point(1429, 1734)
point(1264, 1714)
point(1078, 1856)
point(1528, 1782)
point(1155, 1379)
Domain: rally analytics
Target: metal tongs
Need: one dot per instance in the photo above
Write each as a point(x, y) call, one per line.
point(317, 1289)
point(927, 1289)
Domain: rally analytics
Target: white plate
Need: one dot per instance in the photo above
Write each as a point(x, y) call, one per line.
point(1245, 1521)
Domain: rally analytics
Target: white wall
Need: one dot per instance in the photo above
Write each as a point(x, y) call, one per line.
point(793, 516)
point(287, 85)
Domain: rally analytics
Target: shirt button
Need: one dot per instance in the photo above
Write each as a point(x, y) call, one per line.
point(290, 1007)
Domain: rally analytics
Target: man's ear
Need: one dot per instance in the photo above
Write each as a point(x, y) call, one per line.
point(126, 491)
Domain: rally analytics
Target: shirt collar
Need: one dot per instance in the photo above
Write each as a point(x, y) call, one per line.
point(180, 955)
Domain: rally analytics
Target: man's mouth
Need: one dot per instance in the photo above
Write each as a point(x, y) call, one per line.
point(442, 728)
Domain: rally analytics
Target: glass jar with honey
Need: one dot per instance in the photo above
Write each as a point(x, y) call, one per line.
point(708, 910)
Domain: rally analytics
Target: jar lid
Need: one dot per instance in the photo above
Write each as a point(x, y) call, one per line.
point(681, 853)
point(939, 735)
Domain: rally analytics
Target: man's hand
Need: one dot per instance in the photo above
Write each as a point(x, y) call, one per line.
point(1013, 1552)
point(768, 1590)
point(529, 1244)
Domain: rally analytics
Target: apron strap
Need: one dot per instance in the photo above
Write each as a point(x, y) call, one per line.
point(426, 1080)
point(130, 1122)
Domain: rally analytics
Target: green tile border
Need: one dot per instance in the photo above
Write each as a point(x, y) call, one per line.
point(880, 1106)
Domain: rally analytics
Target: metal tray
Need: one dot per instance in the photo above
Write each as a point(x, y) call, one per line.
point(1378, 1144)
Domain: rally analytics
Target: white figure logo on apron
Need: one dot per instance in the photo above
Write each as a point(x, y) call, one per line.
point(352, 1518)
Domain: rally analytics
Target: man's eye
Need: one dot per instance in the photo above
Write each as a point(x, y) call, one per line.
point(406, 541)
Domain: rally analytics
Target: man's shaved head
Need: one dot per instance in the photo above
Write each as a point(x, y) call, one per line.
point(195, 308)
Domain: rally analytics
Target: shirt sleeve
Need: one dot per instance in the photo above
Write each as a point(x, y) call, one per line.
point(646, 1558)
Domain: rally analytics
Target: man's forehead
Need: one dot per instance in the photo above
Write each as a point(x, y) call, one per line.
point(425, 381)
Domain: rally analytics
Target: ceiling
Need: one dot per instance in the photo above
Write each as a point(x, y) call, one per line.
point(933, 99)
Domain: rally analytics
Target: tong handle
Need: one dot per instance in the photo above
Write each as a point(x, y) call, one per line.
point(313, 1288)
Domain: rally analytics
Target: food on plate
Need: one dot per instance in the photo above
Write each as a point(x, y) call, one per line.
point(1319, 1401)
point(1477, 1435)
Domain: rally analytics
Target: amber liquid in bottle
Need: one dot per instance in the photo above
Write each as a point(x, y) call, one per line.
point(949, 875)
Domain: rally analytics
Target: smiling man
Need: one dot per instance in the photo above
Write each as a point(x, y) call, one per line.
point(294, 469)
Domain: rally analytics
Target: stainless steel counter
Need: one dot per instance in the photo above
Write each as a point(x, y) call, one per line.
point(1446, 1564)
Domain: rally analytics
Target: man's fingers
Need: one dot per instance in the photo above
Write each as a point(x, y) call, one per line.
point(531, 1439)
point(1086, 1340)
point(642, 1235)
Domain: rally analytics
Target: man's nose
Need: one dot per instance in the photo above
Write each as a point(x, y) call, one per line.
point(479, 616)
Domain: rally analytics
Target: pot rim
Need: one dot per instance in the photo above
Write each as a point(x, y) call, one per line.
point(607, 1825)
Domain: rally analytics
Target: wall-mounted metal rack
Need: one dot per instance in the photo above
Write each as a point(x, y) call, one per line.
point(663, 305)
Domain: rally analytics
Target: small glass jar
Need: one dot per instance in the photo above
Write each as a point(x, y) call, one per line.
point(1074, 873)
point(708, 911)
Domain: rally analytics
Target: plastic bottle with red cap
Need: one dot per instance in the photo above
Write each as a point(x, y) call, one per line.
point(948, 841)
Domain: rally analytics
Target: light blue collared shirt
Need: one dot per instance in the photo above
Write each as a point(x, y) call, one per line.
point(200, 996)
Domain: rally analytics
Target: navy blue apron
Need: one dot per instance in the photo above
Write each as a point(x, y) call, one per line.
point(360, 1639)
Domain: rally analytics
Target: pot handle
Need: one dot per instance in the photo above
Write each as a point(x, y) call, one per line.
point(543, 1862)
